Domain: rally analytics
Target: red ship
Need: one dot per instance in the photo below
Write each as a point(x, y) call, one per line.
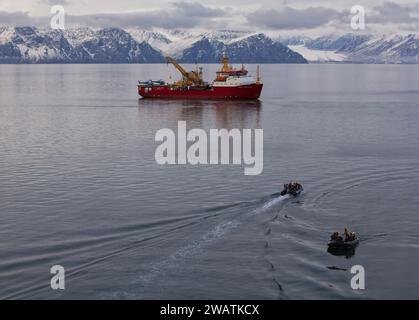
point(229, 84)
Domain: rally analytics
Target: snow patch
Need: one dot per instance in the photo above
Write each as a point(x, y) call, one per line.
point(318, 55)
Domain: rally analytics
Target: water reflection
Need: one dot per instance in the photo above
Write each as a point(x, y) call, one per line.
point(347, 253)
point(203, 114)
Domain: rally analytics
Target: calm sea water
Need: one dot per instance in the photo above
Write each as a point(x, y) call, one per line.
point(79, 186)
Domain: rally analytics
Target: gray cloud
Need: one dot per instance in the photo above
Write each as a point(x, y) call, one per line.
point(19, 19)
point(157, 18)
point(290, 18)
point(183, 14)
point(195, 9)
point(390, 12)
point(54, 2)
point(178, 15)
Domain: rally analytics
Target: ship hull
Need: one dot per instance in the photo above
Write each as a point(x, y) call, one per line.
point(243, 92)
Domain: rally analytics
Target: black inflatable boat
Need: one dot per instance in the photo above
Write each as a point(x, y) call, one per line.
point(343, 245)
point(295, 191)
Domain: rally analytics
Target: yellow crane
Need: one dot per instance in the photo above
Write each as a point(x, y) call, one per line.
point(189, 78)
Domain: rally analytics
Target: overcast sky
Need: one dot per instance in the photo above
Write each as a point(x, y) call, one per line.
point(283, 16)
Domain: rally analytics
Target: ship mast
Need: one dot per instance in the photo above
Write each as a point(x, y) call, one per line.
point(226, 63)
point(258, 74)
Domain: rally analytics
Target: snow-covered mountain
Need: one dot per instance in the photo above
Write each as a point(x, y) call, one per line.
point(256, 48)
point(113, 45)
point(388, 49)
point(207, 47)
point(253, 47)
point(31, 45)
point(358, 48)
point(155, 39)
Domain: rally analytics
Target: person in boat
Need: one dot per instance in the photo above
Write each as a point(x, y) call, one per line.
point(295, 186)
point(287, 189)
point(349, 236)
point(336, 237)
point(291, 188)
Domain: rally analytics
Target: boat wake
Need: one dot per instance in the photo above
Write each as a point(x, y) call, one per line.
point(175, 260)
point(194, 233)
point(278, 199)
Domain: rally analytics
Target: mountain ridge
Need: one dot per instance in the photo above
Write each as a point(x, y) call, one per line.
point(354, 48)
point(135, 45)
point(114, 45)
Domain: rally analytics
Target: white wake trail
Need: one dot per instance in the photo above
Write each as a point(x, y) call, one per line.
point(274, 201)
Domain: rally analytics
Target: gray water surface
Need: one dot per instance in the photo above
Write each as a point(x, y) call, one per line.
point(79, 186)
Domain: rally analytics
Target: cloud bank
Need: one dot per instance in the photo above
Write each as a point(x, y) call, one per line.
point(381, 15)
